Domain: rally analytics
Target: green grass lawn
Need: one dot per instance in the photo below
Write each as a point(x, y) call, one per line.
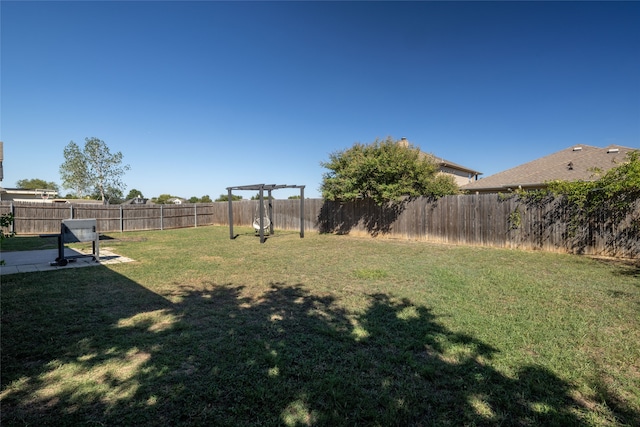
point(326, 330)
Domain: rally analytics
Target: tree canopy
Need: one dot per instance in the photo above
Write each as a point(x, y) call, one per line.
point(111, 195)
point(133, 193)
point(265, 196)
point(385, 171)
point(163, 199)
point(36, 184)
point(94, 168)
point(225, 198)
point(204, 199)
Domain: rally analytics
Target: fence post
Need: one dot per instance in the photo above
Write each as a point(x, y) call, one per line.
point(161, 219)
point(195, 214)
point(121, 220)
point(71, 212)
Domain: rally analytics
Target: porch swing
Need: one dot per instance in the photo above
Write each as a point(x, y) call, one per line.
point(266, 222)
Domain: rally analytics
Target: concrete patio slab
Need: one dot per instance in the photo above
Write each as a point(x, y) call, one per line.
point(31, 261)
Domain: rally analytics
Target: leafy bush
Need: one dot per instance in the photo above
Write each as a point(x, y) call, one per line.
point(616, 191)
point(385, 171)
point(5, 222)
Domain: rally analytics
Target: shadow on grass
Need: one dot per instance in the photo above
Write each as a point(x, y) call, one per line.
point(108, 351)
point(624, 267)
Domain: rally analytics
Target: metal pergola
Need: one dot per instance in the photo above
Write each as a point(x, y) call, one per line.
point(261, 189)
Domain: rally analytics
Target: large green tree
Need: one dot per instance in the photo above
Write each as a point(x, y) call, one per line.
point(225, 198)
point(94, 167)
point(133, 193)
point(74, 172)
point(36, 184)
point(204, 199)
point(111, 195)
point(163, 199)
point(385, 171)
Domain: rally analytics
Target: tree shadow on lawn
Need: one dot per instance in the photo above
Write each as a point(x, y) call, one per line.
point(112, 352)
point(623, 267)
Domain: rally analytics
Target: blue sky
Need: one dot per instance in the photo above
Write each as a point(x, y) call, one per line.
point(200, 96)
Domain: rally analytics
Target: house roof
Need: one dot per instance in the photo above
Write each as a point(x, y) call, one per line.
point(448, 164)
point(20, 193)
point(575, 163)
point(442, 162)
point(138, 201)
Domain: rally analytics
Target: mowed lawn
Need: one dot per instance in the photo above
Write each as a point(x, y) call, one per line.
point(326, 330)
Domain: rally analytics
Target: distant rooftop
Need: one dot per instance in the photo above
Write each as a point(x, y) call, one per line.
point(576, 163)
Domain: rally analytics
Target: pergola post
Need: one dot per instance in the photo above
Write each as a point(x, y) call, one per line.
point(261, 214)
point(229, 197)
point(302, 212)
point(270, 213)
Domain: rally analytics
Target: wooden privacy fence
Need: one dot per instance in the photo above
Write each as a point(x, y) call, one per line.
point(489, 220)
point(479, 219)
point(41, 218)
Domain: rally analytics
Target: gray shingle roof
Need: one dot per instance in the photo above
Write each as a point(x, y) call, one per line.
point(571, 164)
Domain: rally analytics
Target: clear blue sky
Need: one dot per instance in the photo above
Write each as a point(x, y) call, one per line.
point(199, 96)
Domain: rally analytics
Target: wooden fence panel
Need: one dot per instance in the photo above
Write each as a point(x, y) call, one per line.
point(478, 219)
point(178, 216)
point(107, 216)
point(204, 213)
point(286, 214)
point(36, 218)
point(137, 218)
point(220, 213)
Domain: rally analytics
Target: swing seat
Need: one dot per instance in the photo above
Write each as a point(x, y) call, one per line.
point(266, 223)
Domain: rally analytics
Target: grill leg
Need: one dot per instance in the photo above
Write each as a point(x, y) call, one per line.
point(60, 248)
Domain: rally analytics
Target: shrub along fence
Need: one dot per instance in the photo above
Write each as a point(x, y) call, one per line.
point(480, 219)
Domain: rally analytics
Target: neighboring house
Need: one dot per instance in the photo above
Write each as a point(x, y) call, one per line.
point(461, 174)
point(39, 196)
point(578, 163)
point(22, 195)
point(79, 201)
point(176, 201)
point(138, 201)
